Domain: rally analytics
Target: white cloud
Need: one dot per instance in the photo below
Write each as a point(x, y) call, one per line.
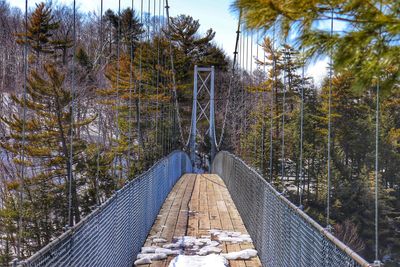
point(318, 70)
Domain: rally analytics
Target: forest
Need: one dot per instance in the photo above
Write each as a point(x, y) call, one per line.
point(100, 106)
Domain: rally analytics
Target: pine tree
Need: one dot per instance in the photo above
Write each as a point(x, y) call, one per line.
point(129, 26)
point(367, 47)
point(135, 94)
point(197, 49)
point(40, 31)
point(46, 149)
point(184, 31)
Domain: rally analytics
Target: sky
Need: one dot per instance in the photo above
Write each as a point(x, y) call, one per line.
point(215, 14)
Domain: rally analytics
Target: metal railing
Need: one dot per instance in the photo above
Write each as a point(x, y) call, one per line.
point(283, 235)
point(113, 234)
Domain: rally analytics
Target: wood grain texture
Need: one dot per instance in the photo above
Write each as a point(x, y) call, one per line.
point(197, 204)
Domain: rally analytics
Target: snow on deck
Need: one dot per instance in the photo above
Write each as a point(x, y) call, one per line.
point(198, 224)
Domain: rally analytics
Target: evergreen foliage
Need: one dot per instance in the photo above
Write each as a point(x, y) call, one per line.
point(124, 117)
point(365, 39)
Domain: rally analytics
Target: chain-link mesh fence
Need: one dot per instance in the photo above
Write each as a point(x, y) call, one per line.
point(114, 233)
point(283, 235)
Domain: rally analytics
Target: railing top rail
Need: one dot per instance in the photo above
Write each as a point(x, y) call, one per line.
point(97, 210)
point(343, 247)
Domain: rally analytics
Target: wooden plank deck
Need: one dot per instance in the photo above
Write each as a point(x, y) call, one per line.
point(196, 205)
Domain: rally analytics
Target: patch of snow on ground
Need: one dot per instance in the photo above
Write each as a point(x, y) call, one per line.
point(143, 261)
point(152, 256)
point(199, 261)
point(172, 245)
point(208, 250)
point(147, 258)
point(233, 237)
point(240, 255)
point(159, 240)
point(146, 250)
point(168, 251)
point(204, 251)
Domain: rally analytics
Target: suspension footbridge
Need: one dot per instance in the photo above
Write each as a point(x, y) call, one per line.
point(163, 213)
point(196, 204)
point(168, 202)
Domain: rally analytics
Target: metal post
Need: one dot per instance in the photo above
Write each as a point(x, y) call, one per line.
point(192, 144)
point(212, 118)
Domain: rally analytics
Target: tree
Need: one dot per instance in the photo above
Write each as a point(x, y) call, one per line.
point(348, 234)
point(127, 27)
point(47, 146)
point(366, 46)
point(39, 32)
point(286, 97)
point(139, 88)
point(184, 31)
point(10, 56)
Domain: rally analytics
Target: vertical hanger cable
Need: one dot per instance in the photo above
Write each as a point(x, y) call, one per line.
point(70, 172)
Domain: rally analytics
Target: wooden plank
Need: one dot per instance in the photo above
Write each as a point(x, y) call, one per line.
point(183, 215)
point(194, 205)
point(165, 209)
point(158, 227)
point(210, 206)
point(204, 217)
point(222, 203)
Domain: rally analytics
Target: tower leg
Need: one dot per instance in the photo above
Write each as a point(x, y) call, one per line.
point(212, 119)
point(193, 129)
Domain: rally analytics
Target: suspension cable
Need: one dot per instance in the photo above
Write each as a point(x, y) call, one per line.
point(118, 96)
point(243, 52)
point(163, 137)
point(237, 43)
point(100, 132)
point(257, 47)
point(147, 89)
point(301, 184)
point(262, 167)
point(240, 61)
point(251, 82)
point(157, 74)
point(239, 78)
point(99, 112)
point(244, 70)
point(130, 40)
point(251, 55)
point(174, 89)
point(70, 213)
point(168, 106)
point(234, 66)
point(377, 171)
point(119, 178)
point(285, 78)
point(149, 20)
point(247, 51)
point(273, 88)
point(139, 87)
point(157, 35)
point(377, 123)
point(328, 197)
point(22, 175)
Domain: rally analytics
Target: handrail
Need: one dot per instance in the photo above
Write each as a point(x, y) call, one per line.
point(113, 233)
point(283, 234)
